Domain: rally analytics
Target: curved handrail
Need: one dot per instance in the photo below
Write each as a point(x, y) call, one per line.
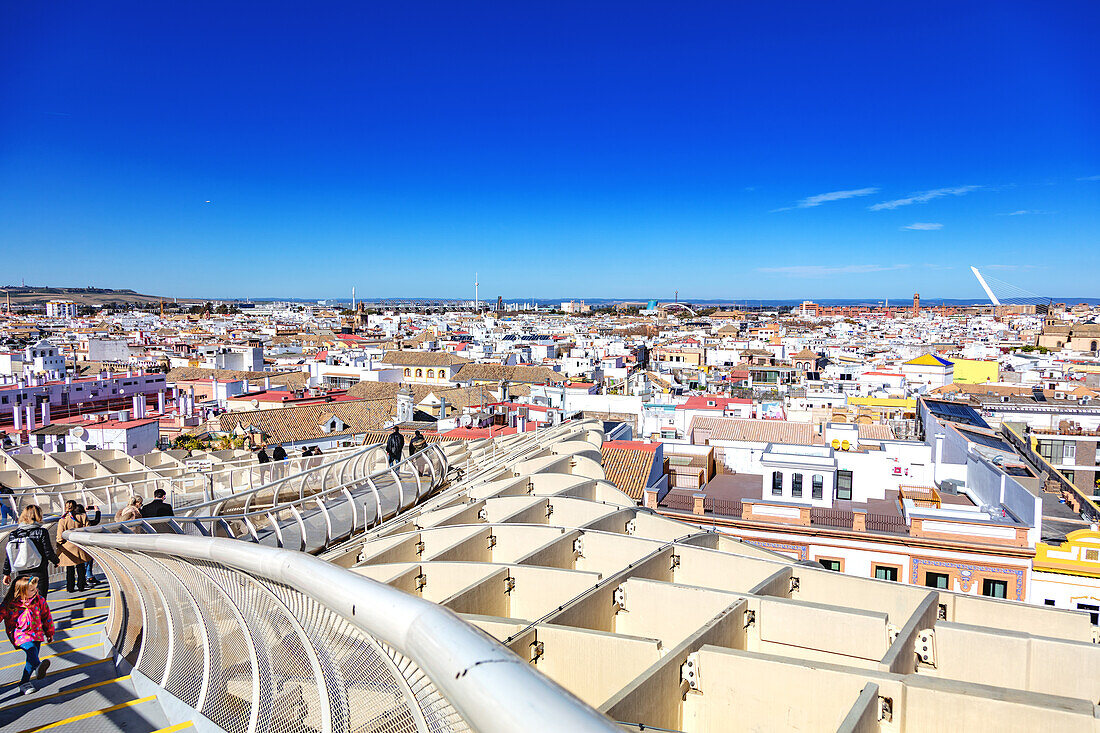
point(488, 685)
point(346, 494)
point(152, 477)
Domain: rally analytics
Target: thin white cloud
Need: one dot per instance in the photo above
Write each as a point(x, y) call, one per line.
point(828, 270)
point(1089, 178)
point(822, 198)
point(923, 226)
point(923, 196)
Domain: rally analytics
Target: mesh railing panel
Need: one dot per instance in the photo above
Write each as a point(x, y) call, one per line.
point(189, 644)
point(253, 654)
point(153, 655)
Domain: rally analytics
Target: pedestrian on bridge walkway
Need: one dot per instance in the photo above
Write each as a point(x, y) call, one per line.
point(30, 551)
point(28, 621)
point(394, 445)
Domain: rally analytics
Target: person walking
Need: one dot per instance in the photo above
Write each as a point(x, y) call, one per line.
point(28, 621)
point(394, 445)
point(158, 507)
point(131, 511)
point(93, 581)
point(7, 505)
point(417, 444)
point(73, 558)
point(30, 550)
point(264, 461)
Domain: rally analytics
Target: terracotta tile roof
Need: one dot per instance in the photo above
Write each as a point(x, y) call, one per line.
point(875, 431)
point(497, 373)
point(422, 358)
point(628, 468)
point(457, 396)
point(757, 431)
point(302, 423)
point(293, 380)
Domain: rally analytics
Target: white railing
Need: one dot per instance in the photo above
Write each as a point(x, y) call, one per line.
point(187, 486)
point(355, 500)
point(255, 638)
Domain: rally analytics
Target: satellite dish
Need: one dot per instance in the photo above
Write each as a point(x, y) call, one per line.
point(255, 403)
point(845, 445)
point(836, 443)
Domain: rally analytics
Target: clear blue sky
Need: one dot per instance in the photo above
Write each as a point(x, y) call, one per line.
point(725, 150)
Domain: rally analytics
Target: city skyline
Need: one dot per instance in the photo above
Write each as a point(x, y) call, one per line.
point(745, 153)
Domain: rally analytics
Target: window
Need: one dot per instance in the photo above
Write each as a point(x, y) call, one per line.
point(796, 485)
point(1048, 602)
point(844, 485)
point(1092, 555)
point(420, 372)
point(431, 374)
point(885, 572)
point(1058, 451)
point(777, 483)
point(995, 588)
point(818, 486)
point(1069, 476)
point(937, 580)
point(1094, 612)
point(833, 565)
point(408, 372)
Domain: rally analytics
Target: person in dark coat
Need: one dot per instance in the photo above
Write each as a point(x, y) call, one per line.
point(158, 507)
point(30, 528)
point(278, 454)
point(394, 445)
point(263, 459)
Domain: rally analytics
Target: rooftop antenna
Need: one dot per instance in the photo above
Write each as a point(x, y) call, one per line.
point(475, 293)
point(353, 297)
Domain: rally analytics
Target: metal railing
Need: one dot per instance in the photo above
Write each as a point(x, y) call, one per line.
point(1089, 508)
point(258, 638)
point(832, 517)
point(114, 491)
point(356, 499)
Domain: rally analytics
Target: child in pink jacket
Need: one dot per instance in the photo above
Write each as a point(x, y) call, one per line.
point(28, 622)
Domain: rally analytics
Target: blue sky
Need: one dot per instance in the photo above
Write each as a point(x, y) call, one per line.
point(725, 150)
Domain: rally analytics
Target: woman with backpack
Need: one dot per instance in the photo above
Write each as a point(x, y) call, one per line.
point(30, 550)
point(28, 622)
point(73, 558)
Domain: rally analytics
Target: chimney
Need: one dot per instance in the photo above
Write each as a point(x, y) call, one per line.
point(160, 402)
point(134, 406)
point(30, 417)
point(18, 417)
point(267, 383)
point(45, 413)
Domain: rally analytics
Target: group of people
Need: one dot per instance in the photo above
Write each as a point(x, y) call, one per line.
point(395, 444)
point(30, 553)
point(136, 508)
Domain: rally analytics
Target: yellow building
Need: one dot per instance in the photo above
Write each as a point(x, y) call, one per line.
point(973, 371)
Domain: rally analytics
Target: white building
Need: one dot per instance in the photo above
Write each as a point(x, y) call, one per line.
point(120, 432)
point(60, 309)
